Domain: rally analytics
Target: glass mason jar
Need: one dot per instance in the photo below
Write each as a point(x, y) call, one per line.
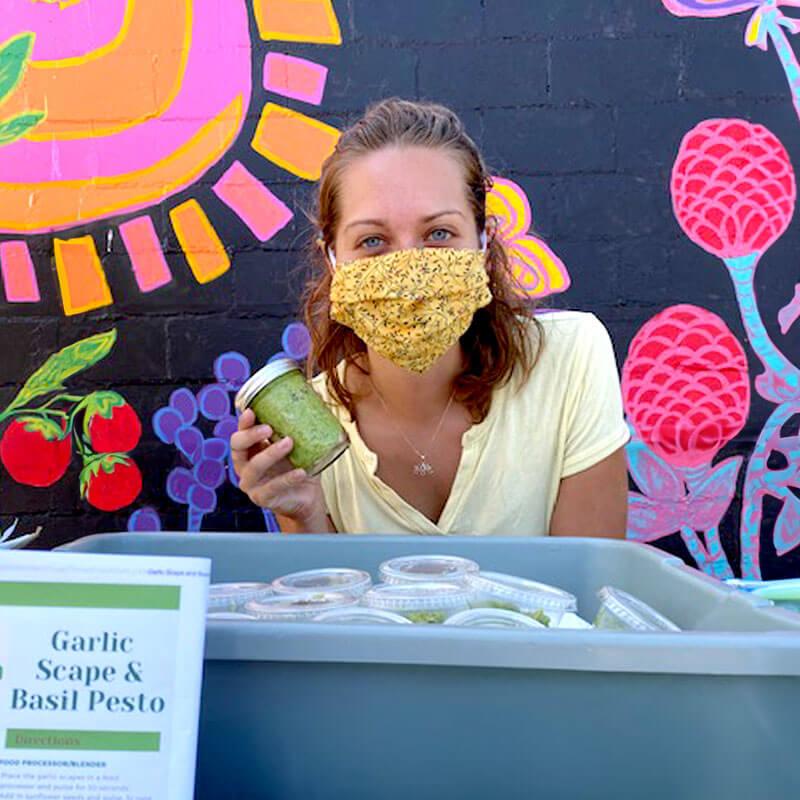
point(282, 398)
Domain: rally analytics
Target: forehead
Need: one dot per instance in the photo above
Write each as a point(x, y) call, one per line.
point(397, 182)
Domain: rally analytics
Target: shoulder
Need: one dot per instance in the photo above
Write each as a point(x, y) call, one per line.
point(568, 337)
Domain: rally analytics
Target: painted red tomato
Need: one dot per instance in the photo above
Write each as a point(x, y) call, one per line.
point(35, 451)
point(118, 433)
point(111, 482)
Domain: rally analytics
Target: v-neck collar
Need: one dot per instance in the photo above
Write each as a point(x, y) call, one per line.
point(471, 450)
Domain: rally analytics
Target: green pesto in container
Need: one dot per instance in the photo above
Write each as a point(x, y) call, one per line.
point(282, 398)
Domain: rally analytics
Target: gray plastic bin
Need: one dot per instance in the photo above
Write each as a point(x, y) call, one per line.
point(322, 712)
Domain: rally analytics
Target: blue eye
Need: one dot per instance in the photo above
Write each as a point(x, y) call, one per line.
point(372, 242)
point(440, 235)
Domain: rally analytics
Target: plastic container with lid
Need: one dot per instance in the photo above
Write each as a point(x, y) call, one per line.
point(298, 607)
point(436, 568)
point(493, 618)
point(282, 398)
point(332, 579)
point(419, 602)
point(233, 596)
point(540, 601)
point(358, 615)
point(621, 611)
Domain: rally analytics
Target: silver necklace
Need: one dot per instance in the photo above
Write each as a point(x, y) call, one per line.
point(423, 468)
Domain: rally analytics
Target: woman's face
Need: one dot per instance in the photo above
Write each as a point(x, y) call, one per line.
point(400, 198)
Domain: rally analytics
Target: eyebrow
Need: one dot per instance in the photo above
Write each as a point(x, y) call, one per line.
point(379, 222)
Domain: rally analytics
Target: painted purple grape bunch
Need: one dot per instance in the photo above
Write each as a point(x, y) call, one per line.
point(207, 463)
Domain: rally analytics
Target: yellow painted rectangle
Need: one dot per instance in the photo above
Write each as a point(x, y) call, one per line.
point(80, 275)
point(294, 141)
point(201, 245)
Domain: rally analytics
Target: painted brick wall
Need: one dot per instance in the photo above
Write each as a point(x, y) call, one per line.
point(583, 104)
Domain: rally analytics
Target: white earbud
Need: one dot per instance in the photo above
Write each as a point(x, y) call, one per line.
point(331, 258)
point(483, 241)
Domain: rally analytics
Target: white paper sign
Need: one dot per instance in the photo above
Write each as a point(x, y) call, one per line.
point(100, 669)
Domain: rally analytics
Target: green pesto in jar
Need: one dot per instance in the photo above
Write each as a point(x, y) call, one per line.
point(291, 407)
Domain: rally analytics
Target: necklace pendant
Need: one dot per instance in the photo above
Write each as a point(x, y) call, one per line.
point(423, 469)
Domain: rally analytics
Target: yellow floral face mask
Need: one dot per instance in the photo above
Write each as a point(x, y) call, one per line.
point(411, 306)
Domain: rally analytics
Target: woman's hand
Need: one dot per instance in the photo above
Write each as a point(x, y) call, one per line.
point(270, 481)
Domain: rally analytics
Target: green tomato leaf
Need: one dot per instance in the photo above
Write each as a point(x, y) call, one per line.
point(106, 461)
point(64, 364)
point(15, 128)
point(14, 55)
point(49, 429)
point(102, 403)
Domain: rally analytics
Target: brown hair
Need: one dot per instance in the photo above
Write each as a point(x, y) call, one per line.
point(498, 341)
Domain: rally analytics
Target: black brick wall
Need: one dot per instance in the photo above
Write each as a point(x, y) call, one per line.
point(582, 102)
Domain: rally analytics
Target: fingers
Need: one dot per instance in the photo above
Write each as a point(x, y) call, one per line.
point(248, 440)
point(284, 494)
point(264, 465)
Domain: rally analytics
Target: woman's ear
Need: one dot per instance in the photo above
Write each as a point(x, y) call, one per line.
point(327, 254)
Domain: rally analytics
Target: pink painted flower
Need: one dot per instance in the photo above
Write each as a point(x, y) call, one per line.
point(709, 8)
point(537, 269)
point(733, 187)
point(685, 385)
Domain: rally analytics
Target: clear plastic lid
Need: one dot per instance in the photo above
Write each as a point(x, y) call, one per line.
point(362, 616)
point(298, 607)
point(233, 596)
point(334, 579)
point(521, 594)
point(408, 569)
point(493, 618)
point(232, 616)
point(419, 602)
point(622, 611)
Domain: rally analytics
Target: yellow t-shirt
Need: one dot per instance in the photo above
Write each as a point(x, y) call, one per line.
point(564, 419)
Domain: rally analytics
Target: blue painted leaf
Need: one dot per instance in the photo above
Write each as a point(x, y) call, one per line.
point(654, 477)
point(209, 473)
point(651, 519)
point(787, 527)
point(709, 498)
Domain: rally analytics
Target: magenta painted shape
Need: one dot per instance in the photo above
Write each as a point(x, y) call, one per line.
point(65, 32)
point(19, 276)
point(150, 268)
point(218, 69)
point(709, 8)
point(294, 77)
point(255, 205)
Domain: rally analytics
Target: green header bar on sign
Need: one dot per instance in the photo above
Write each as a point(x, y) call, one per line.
point(89, 595)
point(128, 741)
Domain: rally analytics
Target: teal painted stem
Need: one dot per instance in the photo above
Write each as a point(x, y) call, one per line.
point(742, 270)
point(785, 54)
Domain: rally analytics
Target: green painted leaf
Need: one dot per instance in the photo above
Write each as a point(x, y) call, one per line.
point(46, 427)
point(14, 55)
point(64, 364)
point(105, 461)
point(15, 128)
point(102, 403)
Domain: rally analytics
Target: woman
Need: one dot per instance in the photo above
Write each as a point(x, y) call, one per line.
point(467, 413)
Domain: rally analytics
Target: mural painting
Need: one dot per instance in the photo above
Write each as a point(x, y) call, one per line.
point(46, 425)
point(149, 129)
